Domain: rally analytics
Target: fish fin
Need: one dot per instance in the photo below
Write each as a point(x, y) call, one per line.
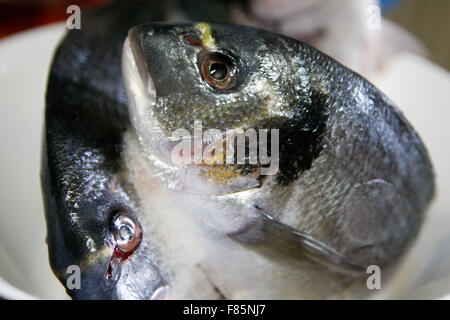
point(279, 240)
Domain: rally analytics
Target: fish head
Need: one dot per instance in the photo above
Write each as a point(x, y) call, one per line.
point(97, 246)
point(224, 78)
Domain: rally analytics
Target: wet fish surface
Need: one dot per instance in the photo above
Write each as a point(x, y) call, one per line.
point(353, 183)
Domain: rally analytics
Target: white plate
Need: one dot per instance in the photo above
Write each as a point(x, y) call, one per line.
point(24, 62)
point(417, 86)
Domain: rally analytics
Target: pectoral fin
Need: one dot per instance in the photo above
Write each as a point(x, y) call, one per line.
point(280, 241)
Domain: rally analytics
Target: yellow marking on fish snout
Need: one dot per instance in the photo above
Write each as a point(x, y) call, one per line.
point(93, 258)
point(207, 38)
point(222, 174)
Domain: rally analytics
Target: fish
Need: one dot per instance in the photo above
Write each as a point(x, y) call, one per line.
point(143, 217)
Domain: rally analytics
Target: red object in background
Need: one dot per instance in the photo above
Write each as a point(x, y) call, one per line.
point(17, 16)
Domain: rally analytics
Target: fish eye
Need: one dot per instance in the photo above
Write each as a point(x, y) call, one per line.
point(127, 232)
point(219, 70)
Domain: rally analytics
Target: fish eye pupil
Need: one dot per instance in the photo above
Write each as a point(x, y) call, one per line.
point(218, 71)
point(125, 233)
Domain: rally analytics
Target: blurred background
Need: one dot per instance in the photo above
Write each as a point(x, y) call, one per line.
point(429, 21)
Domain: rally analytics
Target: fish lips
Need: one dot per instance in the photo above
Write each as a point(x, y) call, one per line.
point(142, 94)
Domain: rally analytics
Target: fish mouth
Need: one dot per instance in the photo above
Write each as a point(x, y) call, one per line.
point(141, 93)
point(186, 170)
